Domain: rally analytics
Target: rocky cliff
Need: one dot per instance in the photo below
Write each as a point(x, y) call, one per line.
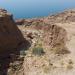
point(11, 43)
point(10, 35)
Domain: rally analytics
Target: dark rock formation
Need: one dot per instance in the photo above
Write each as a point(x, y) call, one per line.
point(12, 43)
point(10, 35)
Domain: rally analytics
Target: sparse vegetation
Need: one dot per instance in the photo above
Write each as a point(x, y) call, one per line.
point(22, 53)
point(62, 63)
point(70, 65)
point(70, 61)
point(38, 51)
point(60, 50)
point(46, 69)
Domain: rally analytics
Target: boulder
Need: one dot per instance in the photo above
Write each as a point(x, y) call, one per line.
point(10, 35)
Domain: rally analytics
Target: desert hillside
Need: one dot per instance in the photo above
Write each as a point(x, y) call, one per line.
point(38, 46)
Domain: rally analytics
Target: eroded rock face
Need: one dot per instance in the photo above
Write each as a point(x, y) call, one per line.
point(10, 35)
point(63, 17)
point(19, 22)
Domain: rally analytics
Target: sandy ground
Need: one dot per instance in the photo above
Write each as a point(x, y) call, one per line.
point(70, 28)
point(61, 65)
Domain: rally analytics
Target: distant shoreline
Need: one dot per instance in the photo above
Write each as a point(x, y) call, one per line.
point(51, 14)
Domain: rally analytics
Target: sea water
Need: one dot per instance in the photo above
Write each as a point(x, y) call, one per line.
point(36, 8)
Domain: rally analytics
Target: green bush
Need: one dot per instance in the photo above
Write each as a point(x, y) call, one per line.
point(38, 51)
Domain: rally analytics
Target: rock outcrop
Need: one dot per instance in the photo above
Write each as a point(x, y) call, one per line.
point(19, 22)
point(63, 17)
point(10, 35)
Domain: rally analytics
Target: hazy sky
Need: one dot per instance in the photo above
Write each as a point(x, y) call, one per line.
point(31, 8)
